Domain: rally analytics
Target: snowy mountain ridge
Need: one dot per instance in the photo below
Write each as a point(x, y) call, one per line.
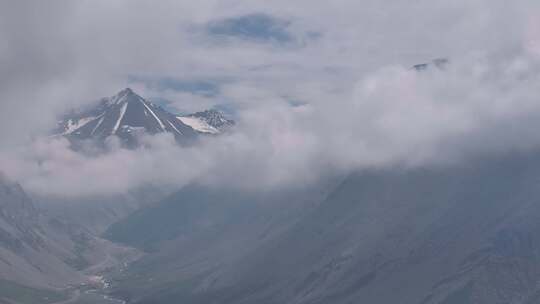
point(126, 115)
point(209, 121)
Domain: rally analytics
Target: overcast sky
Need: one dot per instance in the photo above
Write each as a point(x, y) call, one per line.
point(316, 86)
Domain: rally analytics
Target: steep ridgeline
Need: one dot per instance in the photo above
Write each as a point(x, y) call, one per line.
point(128, 115)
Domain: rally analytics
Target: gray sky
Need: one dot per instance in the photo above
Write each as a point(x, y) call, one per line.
point(317, 87)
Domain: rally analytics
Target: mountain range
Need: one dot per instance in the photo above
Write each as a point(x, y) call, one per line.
point(127, 116)
point(460, 233)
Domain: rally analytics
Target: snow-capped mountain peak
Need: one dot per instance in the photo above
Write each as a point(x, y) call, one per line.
point(209, 121)
point(127, 115)
point(124, 96)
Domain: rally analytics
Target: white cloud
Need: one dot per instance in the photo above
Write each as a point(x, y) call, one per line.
point(360, 106)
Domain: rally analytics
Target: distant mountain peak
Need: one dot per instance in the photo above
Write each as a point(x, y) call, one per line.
point(209, 121)
point(127, 90)
point(439, 63)
point(125, 95)
point(127, 114)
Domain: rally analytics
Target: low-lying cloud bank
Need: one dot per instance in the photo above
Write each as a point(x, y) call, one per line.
point(394, 116)
point(343, 99)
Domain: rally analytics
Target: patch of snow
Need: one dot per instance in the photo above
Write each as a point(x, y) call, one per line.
point(198, 124)
point(172, 125)
point(122, 113)
point(98, 124)
point(72, 126)
point(153, 114)
point(130, 129)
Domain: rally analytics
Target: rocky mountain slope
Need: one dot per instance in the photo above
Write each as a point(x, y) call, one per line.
point(460, 234)
point(43, 256)
point(27, 254)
